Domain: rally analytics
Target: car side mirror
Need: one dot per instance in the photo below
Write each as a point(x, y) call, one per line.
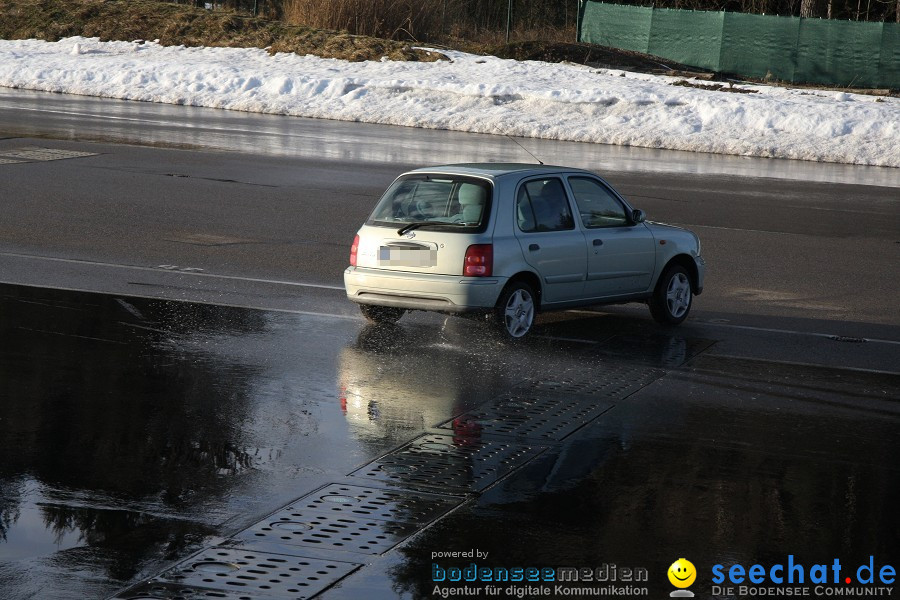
point(638, 216)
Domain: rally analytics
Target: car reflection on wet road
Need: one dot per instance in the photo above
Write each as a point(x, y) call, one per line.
point(153, 448)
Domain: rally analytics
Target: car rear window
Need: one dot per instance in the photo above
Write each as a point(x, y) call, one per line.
point(446, 202)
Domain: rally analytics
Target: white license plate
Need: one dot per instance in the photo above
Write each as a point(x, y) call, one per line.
point(406, 257)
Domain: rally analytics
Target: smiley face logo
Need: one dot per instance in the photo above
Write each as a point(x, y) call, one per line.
point(682, 573)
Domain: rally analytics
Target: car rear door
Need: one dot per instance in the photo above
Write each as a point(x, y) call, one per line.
point(550, 241)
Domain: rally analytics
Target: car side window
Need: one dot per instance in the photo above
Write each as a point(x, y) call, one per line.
point(596, 204)
point(541, 205)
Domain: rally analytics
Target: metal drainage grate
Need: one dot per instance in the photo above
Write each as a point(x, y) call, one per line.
point(41, 154)
point(655, 350)
point(247, 573)
point(612, 382)
point(462, 462)
point(846, 338)
point(9, 161)
point(174, 591)
point(207, 239)
point(389, 505)
point(530, 415)
point(338, 532)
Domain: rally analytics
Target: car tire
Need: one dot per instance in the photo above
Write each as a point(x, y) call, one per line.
point(514, 315)
point(673, 296)
point(381, 314)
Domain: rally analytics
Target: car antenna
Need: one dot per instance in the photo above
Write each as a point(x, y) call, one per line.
point(525, 149)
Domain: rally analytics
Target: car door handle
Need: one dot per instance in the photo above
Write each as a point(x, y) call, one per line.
point(598, 242)
point(534, 247)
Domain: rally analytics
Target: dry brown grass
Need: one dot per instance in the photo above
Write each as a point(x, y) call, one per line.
point(176, 24)
point(472, 25)
point(389, 19)
point(486, 40)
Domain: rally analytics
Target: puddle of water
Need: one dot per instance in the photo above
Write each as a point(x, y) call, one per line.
point(31, 526)
point(137, 429)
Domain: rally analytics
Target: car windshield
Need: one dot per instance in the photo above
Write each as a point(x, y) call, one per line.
point(434, 201)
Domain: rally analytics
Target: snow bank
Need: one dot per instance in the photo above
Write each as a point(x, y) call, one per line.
point(473, 93)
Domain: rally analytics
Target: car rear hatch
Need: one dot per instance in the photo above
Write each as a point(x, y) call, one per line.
point(425, 224)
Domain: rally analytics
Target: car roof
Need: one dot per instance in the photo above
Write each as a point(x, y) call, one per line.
point(495, 170)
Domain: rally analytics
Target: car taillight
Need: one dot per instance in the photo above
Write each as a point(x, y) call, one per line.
point(353, 249)
point(479, 261)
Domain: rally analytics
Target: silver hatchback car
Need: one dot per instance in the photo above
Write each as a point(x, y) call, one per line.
point(510, 240)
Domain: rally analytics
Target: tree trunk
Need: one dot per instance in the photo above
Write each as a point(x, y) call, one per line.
point(809, 8)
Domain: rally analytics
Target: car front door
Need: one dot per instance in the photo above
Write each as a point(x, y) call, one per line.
point(621, 253)
point(550, 242)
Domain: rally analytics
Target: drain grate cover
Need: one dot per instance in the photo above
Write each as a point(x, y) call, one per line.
point(351, 518)
point(321, 530)
point(245, 573)
point(463, 462)
point(546, 417)
point(371, 503)
point(174, 591)
point(9, 161)
point(41, 154)
point(845, 338)
point(207, 239)
point(612, 382)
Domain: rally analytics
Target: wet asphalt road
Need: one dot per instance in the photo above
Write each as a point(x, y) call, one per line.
point(265, 231)
point(135, 433)
point(149, 423)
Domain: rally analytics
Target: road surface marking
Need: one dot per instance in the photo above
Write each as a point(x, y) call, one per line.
point(792, 332)
point(802, 364)
point(167, 269)
point(191, 301)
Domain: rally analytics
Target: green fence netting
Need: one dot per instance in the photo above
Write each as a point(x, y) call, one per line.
point(764, 52)
point(830, 52)
point(889, 61)
point(695, 36)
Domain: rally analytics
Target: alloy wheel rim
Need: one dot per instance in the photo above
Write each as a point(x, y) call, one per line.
point(519, 313)
point(678, 295)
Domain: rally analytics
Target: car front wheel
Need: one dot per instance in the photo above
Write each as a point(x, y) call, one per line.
point(381, 314)
point(515, 310)
point(672, 298)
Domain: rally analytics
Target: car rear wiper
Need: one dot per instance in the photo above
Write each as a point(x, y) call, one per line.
point(417, 224)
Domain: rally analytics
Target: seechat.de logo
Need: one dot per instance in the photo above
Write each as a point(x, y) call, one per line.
point(682, 574)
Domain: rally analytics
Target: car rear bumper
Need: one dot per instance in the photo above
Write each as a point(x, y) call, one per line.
point(417, 291)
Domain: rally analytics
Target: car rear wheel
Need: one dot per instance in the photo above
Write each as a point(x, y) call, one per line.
point(515, 310)
point(672, 298)
point(381, 314)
